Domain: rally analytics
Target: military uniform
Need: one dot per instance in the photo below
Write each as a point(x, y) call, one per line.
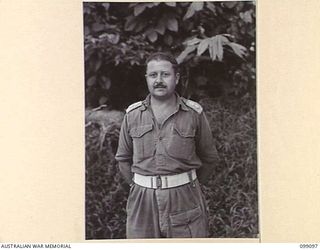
point(165, 199)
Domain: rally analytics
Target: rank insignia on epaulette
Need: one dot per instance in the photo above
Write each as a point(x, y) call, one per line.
point(194, 105)
point(134, 106)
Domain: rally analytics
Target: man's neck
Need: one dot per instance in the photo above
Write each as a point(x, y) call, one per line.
point(162, 109)
point(169, 102)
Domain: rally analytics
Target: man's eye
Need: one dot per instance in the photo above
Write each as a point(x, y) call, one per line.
point(153, 75)
point(166, 74)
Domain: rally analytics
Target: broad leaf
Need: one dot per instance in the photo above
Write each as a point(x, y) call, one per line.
point(223, 39)
point(91, 81)
point(171, 4)
point(238, 49)
point(161, 28)
point(106, 5)
point(132, 5)
point(172, 24)
point(113, 38)
point(197, 6)
point(152, 36)
point(213, 48)
point(230, 4)
point(104, 35)
point(185, 53)
point(246, 17)
point(202, 46)
point(228, 35)
point(219, 48)
point(103, 100)
point(190, 12)
point(98, 65)
point(140, 26)
point(192, 41)
point(139, 8)
point(130, 23)
point(151, 5)
point(106, 82)
point(211, 7)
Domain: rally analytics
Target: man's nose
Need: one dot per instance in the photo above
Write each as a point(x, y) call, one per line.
point(159, 78)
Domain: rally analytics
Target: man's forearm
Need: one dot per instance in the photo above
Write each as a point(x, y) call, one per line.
point(205, 172)
point(125, 169)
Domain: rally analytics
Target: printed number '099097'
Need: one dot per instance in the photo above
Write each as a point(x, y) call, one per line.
point(308, 245)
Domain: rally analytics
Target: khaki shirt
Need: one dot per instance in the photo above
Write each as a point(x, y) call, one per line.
point(183, 141)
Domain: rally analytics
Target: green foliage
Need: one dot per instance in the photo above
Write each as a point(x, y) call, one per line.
point(119, 37)
point(231, 193)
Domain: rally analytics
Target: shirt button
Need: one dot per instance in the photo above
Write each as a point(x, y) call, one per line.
point(160, 138)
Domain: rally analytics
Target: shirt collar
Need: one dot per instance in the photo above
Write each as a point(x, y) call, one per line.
point(180, 103)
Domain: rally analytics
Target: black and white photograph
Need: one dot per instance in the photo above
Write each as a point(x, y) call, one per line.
point(170, 120)
point(175, 122)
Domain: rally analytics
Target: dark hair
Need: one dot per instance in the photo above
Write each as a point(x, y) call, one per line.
point(163, 56)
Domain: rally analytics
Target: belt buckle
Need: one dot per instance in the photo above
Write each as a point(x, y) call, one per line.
point(158, 181)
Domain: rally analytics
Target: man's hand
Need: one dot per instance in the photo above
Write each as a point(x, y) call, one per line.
point(204, 173)
point(125, 169)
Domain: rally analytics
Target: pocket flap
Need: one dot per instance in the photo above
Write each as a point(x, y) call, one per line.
point(185, 217)
point(190, 132)
point(140, 131)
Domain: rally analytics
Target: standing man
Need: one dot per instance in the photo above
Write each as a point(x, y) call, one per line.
point(165, 147)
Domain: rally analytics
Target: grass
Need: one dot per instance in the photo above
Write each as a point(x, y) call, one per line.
point(231, 193)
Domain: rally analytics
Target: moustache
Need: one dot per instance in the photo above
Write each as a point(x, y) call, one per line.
point(159, 85)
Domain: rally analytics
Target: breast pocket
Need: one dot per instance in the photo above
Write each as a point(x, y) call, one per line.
point(143, 142)
point(181, 144)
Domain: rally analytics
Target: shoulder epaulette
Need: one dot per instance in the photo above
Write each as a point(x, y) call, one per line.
point(134, 106)
point(194, 105)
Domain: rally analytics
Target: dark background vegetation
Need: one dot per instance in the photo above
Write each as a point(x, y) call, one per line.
point(214, 42)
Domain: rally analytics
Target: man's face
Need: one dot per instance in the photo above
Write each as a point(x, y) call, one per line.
point(161, 79)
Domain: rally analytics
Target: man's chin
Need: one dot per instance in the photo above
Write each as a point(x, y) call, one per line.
point(162, 96)
point(160, 89)
point(160, 92)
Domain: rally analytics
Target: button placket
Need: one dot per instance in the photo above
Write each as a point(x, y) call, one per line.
point(160, 154)
point(160, 160)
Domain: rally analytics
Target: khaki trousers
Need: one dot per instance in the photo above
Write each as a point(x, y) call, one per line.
point(178, 212)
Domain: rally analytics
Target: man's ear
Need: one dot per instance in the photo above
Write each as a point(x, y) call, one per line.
point(177, 78)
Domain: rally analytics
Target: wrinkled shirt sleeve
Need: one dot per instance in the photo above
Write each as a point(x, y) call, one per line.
point(125, 148)
point(205, 145)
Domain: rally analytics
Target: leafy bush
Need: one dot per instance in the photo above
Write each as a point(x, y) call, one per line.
point(231, 193)
point(213, 41)
point(106, 190)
